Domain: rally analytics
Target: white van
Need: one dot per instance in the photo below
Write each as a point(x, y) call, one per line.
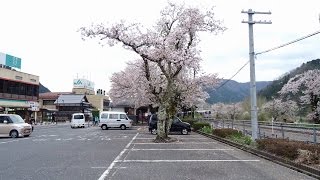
point(112, 119)
point(77, 120)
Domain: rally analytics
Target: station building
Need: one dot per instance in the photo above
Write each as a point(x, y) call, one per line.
point(60, 105)
point(19, 91)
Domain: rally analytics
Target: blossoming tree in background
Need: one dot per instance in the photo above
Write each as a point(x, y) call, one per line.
point(169, 56)
point(281, 109)
point(308, 85)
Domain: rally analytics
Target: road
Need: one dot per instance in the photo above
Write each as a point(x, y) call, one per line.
point(61, 153)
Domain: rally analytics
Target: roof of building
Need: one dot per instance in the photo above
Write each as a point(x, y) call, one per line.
point(52, 95)
point(71, 99)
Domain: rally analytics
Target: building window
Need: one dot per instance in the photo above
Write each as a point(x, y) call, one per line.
point(19, 77)
point(33, 80)
point(48, 102)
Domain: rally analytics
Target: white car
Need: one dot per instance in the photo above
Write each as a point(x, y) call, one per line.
point(113, 119)
point(78, 120)
point(12, 125)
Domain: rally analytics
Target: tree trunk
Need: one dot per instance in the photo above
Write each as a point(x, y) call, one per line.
point(314, 105)
point(166, 113)
point(161, 130)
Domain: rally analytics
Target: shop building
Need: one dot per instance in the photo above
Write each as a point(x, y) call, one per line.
point(19, 91)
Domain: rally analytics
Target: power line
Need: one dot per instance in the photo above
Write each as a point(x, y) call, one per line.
point(269, 50)
point(283, 45)
point(232, 76)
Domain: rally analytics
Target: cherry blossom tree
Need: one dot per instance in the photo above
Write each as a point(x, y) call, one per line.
point(170, 49)
point(307, 84)
point(278, 108)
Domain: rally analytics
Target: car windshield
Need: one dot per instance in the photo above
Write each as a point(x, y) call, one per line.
point(78, 117)
point(16, 119)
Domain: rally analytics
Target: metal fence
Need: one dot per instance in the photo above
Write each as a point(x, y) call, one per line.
point(293, 131)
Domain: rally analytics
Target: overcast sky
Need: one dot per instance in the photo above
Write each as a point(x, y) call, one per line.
point(44, 35)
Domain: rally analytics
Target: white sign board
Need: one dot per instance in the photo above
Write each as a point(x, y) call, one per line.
point(83, 83)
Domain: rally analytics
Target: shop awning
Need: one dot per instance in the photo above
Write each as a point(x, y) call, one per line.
point(14, 103)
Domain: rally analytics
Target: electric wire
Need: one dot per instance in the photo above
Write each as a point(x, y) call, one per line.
point(286, 44)
point(232, 76)
point(266, 51)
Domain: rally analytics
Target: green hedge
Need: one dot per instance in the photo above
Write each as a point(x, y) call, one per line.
point(199, 125)
point(190, 121)
point(224, 133)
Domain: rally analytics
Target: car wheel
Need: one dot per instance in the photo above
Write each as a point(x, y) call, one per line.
point(26, 135)
point(123, 127)
point(153, 131)
point(104, 127)
point(184, 131)
point(14, 134)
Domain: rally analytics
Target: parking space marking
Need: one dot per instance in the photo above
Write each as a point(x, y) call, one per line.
point(191, 160)
point(8, 141)
point(107, 171)
point(182, 149)
point(98, 167)
point(211, 142)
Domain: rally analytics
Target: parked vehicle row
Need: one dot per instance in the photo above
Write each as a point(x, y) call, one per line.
point(12, 125)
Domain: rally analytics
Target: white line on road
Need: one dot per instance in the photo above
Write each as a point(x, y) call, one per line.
point(8, 141)
point(182, 149)
point(106, 172)
point(170, 161)
point(178, 138)
point(181, 143)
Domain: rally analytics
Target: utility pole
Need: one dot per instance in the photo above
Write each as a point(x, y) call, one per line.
point(253, 91)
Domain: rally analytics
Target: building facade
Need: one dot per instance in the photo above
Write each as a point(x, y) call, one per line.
point(19, 92)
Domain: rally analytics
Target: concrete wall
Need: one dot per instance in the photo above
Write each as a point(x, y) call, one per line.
point(96, 101)
point(83, 91)
point(19, 76)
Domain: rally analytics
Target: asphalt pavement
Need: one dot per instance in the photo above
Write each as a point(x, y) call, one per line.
point(57, 152)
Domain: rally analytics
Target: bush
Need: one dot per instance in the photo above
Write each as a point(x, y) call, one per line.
point(190, 121)
point(207, 129)
point(241, 139)
point(288, 149)
point(198, 125)
point(226, 132)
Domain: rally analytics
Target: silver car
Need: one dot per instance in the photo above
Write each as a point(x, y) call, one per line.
point(12, 125)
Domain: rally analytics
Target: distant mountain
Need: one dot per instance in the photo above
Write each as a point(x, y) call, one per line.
point(273, 88)
point(233, 91)
point(43, 89)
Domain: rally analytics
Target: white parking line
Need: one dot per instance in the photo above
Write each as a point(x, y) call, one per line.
point(191, 160)
point(98, 167)
point(8, 141)
point(182, 149)
point(178, 138)
point(107, 171)
point(211, 142)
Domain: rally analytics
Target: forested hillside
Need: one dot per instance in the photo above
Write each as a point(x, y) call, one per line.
point(273, 88)
point(233, 91)
point(43, 89)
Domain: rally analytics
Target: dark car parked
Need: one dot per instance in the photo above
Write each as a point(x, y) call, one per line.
point(177, 125)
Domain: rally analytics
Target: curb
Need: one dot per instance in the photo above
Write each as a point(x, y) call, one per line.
point(284, 162)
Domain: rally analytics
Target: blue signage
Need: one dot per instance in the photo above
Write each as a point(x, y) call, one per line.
point(9, 60)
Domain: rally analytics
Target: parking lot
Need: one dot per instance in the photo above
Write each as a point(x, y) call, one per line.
point(62, 153)
point(191, 157)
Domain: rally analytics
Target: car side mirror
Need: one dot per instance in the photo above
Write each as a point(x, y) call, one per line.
point(5, 122)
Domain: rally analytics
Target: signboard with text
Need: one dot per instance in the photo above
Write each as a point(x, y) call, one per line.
point(9, 60)
point(83, 83)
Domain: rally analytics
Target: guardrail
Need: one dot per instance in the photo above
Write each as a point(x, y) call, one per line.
point(294, 131)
